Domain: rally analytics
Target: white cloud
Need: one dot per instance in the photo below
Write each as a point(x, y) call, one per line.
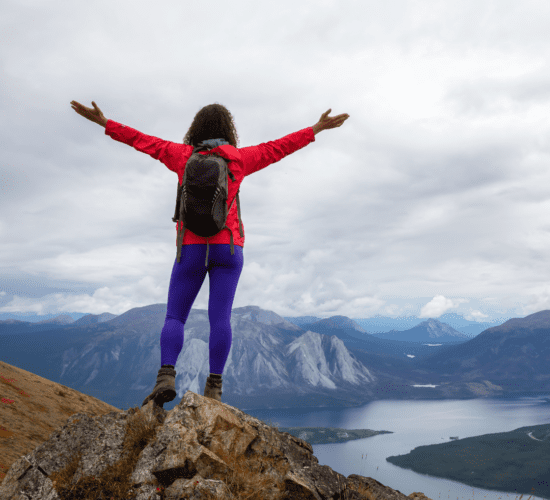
point(476, 316)
point(439, 305)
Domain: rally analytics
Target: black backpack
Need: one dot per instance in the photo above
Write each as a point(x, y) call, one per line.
point(201, 202)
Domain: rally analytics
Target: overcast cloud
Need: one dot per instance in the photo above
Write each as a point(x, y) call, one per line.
point(433, 197)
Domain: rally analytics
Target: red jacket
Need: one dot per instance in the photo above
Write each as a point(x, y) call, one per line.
point(243, 162)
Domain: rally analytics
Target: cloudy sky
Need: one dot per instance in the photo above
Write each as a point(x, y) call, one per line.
point(433, 197)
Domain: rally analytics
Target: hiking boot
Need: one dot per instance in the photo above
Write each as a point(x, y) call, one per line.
point(165, 390)
point(213, 387)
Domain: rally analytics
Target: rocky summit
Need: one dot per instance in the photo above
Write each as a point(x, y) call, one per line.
point(200, 449)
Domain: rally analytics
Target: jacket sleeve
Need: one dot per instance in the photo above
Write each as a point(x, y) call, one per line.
point(256, 158)
point(166, 151)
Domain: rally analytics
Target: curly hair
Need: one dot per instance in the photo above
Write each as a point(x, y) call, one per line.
point(214, 121)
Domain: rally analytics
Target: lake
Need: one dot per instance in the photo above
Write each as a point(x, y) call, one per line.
point(413, 423)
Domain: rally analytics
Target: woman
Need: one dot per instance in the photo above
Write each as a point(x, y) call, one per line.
point(213, 123)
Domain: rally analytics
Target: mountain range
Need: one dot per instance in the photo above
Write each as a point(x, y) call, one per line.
point(376, 324)
point(327, 362)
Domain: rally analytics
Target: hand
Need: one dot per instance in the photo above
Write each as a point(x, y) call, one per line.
point(93, 114)
point(326, 122)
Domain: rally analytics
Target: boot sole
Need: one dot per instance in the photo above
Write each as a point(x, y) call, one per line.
point(165, 396)
point(161, 397)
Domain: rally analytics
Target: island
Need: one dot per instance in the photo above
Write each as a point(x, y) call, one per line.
point(327, 435)
point(517, 461)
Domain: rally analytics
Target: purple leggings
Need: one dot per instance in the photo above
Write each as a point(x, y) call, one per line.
point(186, 281)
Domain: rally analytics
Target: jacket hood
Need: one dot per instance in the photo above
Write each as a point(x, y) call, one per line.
point(229, 152)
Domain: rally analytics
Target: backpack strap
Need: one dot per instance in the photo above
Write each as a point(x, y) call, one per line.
point(180, 240)
point(239, 210)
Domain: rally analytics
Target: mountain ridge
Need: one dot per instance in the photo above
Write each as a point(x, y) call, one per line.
point(374, 325)
point(330, 360)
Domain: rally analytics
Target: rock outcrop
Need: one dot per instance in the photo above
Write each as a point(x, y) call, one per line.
point(200, 449)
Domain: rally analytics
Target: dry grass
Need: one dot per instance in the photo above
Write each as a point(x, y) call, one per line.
point(32, 407)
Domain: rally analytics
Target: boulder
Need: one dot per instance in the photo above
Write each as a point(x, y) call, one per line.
point(200, 449)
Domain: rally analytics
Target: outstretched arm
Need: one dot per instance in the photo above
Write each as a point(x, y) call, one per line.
point(93, 114)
